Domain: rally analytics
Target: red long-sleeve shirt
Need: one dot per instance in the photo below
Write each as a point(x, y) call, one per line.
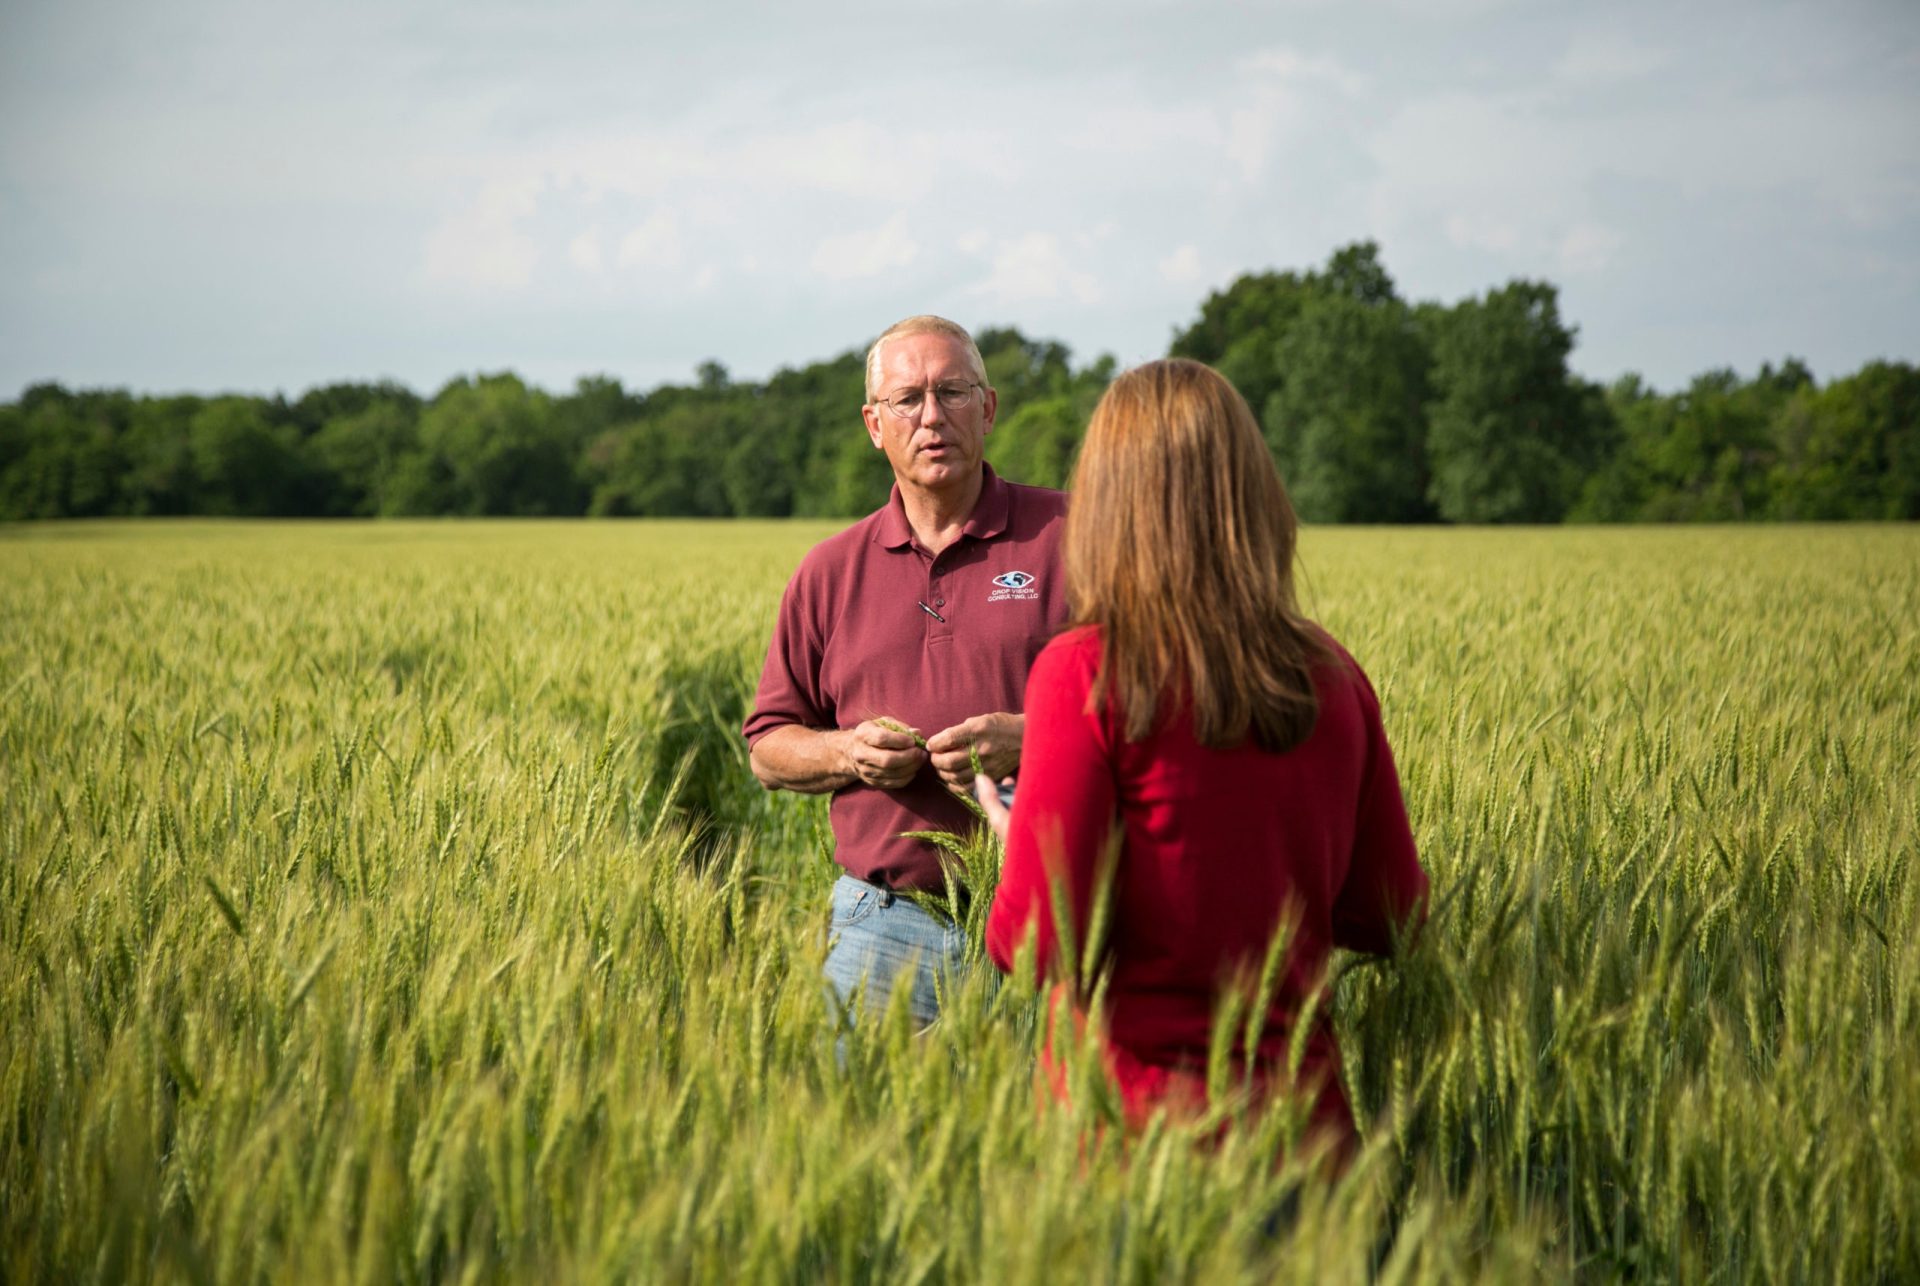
point(1216, 847)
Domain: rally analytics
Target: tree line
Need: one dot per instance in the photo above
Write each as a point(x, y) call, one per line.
point(1376, 409)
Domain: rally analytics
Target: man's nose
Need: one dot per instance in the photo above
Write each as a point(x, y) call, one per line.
point(931, 412)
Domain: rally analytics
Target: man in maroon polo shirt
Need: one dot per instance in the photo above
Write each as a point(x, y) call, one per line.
point(928, 612)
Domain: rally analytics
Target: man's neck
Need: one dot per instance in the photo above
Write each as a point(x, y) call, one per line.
point(938, 516)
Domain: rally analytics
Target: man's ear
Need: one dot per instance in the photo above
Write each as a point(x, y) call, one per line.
point(990, 404)
point(872, 419)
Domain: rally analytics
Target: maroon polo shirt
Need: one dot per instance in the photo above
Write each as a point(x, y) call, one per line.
point(852, 643)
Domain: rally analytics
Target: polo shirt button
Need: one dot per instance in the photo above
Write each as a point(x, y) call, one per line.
point(939, 602)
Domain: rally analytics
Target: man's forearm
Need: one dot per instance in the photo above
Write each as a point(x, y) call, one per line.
point(811, 761)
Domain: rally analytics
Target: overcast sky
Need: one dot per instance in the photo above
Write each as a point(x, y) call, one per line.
point(204, 195)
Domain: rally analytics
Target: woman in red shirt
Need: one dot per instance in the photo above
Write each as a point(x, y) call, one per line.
point(1233, 745)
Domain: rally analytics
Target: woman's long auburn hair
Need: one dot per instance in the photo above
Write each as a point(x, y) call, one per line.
point(1179, 546)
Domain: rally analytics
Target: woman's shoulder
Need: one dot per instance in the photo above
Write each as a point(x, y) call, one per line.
point(1337, 668)
point(1076, 639)
point(1076, 649)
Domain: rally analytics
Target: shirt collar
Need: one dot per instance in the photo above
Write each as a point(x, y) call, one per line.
point(988, 519)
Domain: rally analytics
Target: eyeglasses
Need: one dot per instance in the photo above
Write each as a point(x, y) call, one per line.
point(953, 395)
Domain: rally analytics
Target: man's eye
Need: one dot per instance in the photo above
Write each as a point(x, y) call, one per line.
point(951, 391)
point(905, 399)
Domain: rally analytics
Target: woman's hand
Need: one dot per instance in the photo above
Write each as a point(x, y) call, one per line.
point(988, 794)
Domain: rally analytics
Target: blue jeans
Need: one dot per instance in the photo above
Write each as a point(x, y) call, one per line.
point(877, 937)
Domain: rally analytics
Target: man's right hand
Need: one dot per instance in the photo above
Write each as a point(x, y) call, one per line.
point(880, 756)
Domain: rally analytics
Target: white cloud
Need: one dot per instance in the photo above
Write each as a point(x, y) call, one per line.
point(484, 246)
point(1584, 247)
point(1491, 174)
point(843, 158)
point(1597, 58)
point(1289, 94)
point(868, 252)
point(471, 180)
point(1251, 131)
point(653, 244)
point(1182, 267)
point(1089, 238)
point(584, 251)
point(1588, 248)
point(1294, 67)
point(1033, 267)
point(1483, 232)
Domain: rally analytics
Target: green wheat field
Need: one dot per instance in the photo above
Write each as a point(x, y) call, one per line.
point(391, 902)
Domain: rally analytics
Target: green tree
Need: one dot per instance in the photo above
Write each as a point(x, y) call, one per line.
point(1023, 370)
point(815, 412)
point(596, 404)
point(1716, 458)
point(1348, 423)
point(1238, 333)
point(1037, 444)
point(490, 450)
point(35, 467)
point(244, 465)
point(1618, 490)
point(1510, 438)
point(360, 455)
point(856, 476)
point(1246, 333)
point(1850, 450)
point(661, 466)
point(324, 403)
point(160, 476)
point(1039, 441)
point(61, 453)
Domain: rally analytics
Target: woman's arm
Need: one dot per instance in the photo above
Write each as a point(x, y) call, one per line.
point(1062, 816)
point(1385, 890)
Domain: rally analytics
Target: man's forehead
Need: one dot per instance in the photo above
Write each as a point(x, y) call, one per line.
point(914, 357)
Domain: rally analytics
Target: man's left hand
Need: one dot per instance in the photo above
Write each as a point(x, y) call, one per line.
point(995, 736)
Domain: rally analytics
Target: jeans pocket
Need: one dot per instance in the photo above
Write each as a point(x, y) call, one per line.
point(852, 901)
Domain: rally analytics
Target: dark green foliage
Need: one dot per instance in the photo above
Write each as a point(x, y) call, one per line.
point(1508, 431)
point(1022, 369)
point(243, 464)
point(160, 476)
point(1376, 410)
point(794, 430)
point(1238, 334)
point(62, 454)
point(1037, 435)
point(1347, 425)
point(359, 453)
point(1776, 446)
point(1850, 450)
point(663, 465)
point(318, 406)
point(493, 440)
point(1038, 442)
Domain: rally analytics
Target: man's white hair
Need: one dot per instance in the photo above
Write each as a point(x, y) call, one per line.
point(923, 324)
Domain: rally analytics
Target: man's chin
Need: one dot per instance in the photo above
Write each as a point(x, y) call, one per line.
point(934, 474)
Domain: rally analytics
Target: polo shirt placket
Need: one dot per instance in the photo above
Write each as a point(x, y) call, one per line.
point(938, 630)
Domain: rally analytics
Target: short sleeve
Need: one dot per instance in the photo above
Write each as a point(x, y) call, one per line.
point(1063, 812)
point(789, 691)
point(1385, 889)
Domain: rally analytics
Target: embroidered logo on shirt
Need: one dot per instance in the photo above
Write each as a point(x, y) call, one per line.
point(1013, 585)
